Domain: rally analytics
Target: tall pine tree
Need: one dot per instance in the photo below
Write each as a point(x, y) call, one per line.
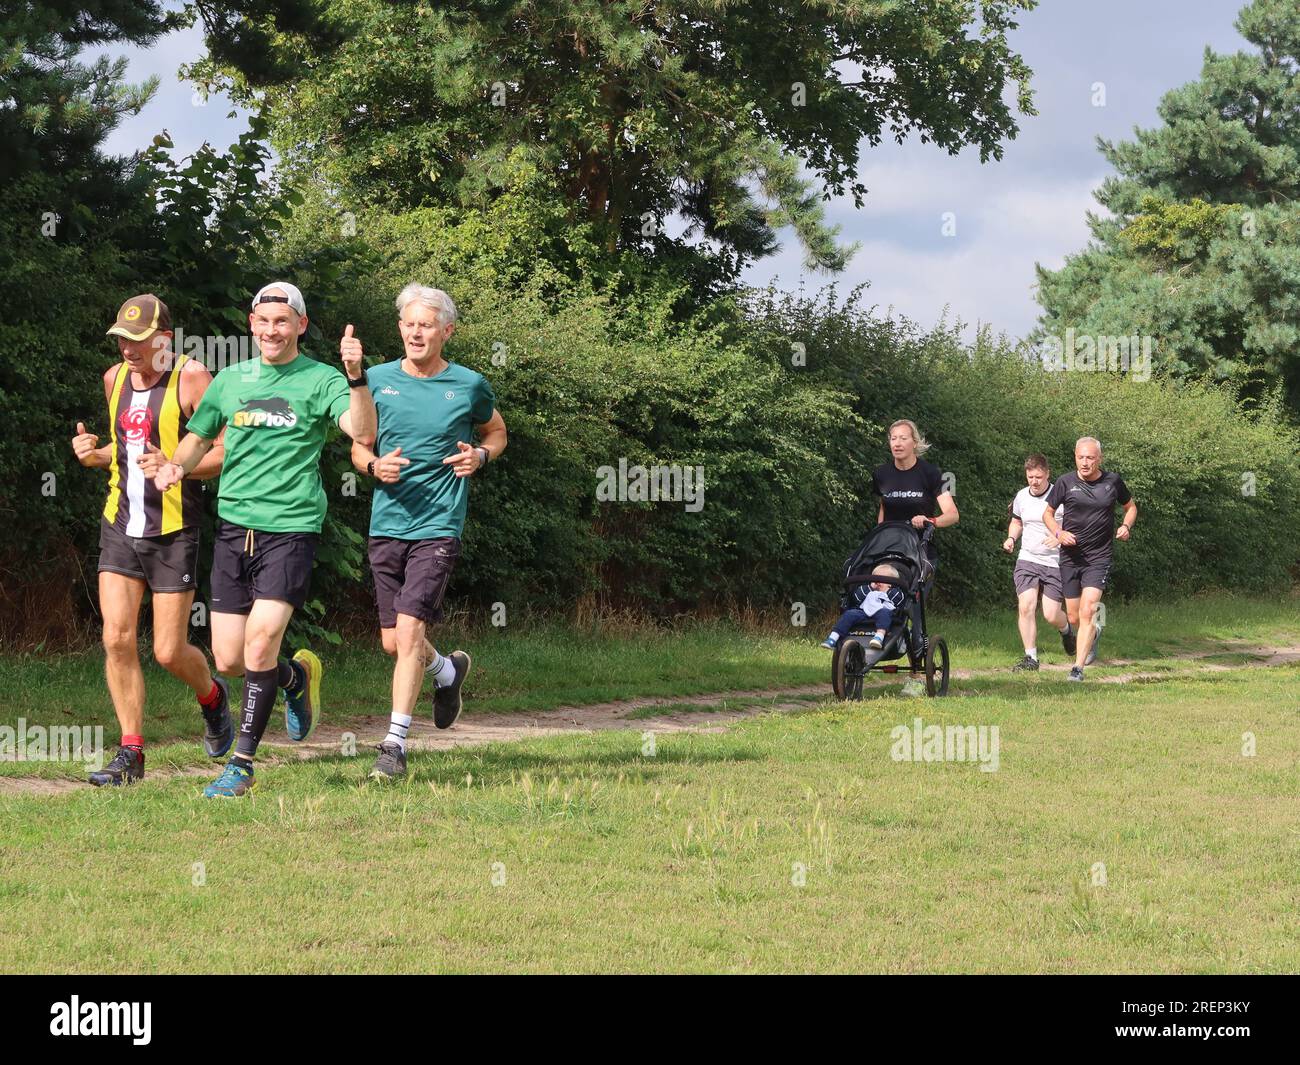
point(1201, 249)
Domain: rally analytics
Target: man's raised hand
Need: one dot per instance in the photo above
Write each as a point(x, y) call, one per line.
point(389, 468)
point(84, 445)
point(350, 349)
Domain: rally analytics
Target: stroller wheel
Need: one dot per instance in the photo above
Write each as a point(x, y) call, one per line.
point(848, 667)
point(936, 666)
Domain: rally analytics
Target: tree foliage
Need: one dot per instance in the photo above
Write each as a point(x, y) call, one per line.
point(1201, 248)
point(738, 119)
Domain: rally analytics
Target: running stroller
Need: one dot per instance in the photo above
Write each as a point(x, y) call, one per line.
point(899, 544)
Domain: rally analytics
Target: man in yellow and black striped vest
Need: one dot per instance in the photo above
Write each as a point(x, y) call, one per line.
point(150, 539)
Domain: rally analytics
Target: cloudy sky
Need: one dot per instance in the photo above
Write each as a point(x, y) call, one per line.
point(1028, 208)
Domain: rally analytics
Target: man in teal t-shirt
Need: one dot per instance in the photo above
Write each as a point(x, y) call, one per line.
point(428, 410)
point(276, 411)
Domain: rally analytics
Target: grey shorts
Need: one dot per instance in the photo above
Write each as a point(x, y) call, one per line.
point(1046, 580)
point(165, 563)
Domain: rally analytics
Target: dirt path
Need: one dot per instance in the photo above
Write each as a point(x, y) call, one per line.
point(716, 712)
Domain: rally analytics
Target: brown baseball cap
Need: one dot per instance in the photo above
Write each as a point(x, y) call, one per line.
point(140, 317)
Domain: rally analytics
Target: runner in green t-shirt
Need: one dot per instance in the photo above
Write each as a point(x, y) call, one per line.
point(276, 411)
point(428, 410)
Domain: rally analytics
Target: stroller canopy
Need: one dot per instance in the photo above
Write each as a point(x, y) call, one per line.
point(890, 541)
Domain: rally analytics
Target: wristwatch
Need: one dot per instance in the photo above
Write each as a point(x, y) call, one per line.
point(370, 467)
point(360, 382)
point(484, 456)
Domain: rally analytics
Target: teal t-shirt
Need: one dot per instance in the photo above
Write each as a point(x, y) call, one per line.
point(425, 417)
point(276, 418)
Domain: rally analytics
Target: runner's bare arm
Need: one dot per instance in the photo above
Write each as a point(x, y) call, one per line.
point(85, 444)
point(362, 456)
point(1130, 516)
point(210, 465)
point(194, 383)
point(1049, 519)
point(360, 421)
point(947, 511)
point(492, 436)
point(189, 452)
point(1063, 538)
point(1013, 532)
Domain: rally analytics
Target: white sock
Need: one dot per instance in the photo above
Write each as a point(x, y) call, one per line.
point(443, 671)
point(398, 726)
point(833, 638)
point(1032, 652)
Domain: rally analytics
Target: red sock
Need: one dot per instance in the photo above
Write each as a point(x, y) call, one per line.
point(209, 701)
point(133, 741)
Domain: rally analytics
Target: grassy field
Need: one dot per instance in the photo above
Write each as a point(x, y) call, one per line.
point(787, 842)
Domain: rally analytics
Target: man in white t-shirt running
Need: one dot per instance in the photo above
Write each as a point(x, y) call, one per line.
point(1038, 567)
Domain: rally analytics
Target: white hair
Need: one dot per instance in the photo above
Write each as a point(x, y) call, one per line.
point(433, 298)
point(1088, 440)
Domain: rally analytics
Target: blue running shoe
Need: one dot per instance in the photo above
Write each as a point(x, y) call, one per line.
point(235, 780)
point(302, 711)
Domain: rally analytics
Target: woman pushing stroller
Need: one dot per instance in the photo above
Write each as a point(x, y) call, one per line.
point(910, 488)
point(880, 599)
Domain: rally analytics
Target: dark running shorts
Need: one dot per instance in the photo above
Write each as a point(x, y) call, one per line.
point(1077, 574)
point(1040, 578)
point(270, 566)
point(165, 563)
point(411, 576)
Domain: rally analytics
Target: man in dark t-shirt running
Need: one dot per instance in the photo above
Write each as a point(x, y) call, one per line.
point(1087, 533)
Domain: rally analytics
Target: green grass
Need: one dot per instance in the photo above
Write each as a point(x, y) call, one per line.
point(687, 860)
point(551, 665)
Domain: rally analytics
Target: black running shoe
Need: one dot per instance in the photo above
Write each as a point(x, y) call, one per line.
point(446, 701)
point(218, 730)
point(126, 768)
point(1070, 641)
point(1025, 665)
point(1076, 674)
point(391, 763)
point(1092, 651)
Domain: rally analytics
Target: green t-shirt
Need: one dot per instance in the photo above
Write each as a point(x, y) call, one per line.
point(425, 417)
point(276, 418)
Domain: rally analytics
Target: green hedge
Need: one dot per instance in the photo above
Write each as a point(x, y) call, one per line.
point(597, 357)
point(1218, 489)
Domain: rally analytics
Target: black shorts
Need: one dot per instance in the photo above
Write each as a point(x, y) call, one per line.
point(249, 565)
point(1079, 573)
point(165, 563)
point(411, 576)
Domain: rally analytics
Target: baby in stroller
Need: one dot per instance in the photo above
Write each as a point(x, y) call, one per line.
point(877, 603)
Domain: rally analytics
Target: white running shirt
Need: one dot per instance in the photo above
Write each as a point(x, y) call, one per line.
point(1029, 509)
